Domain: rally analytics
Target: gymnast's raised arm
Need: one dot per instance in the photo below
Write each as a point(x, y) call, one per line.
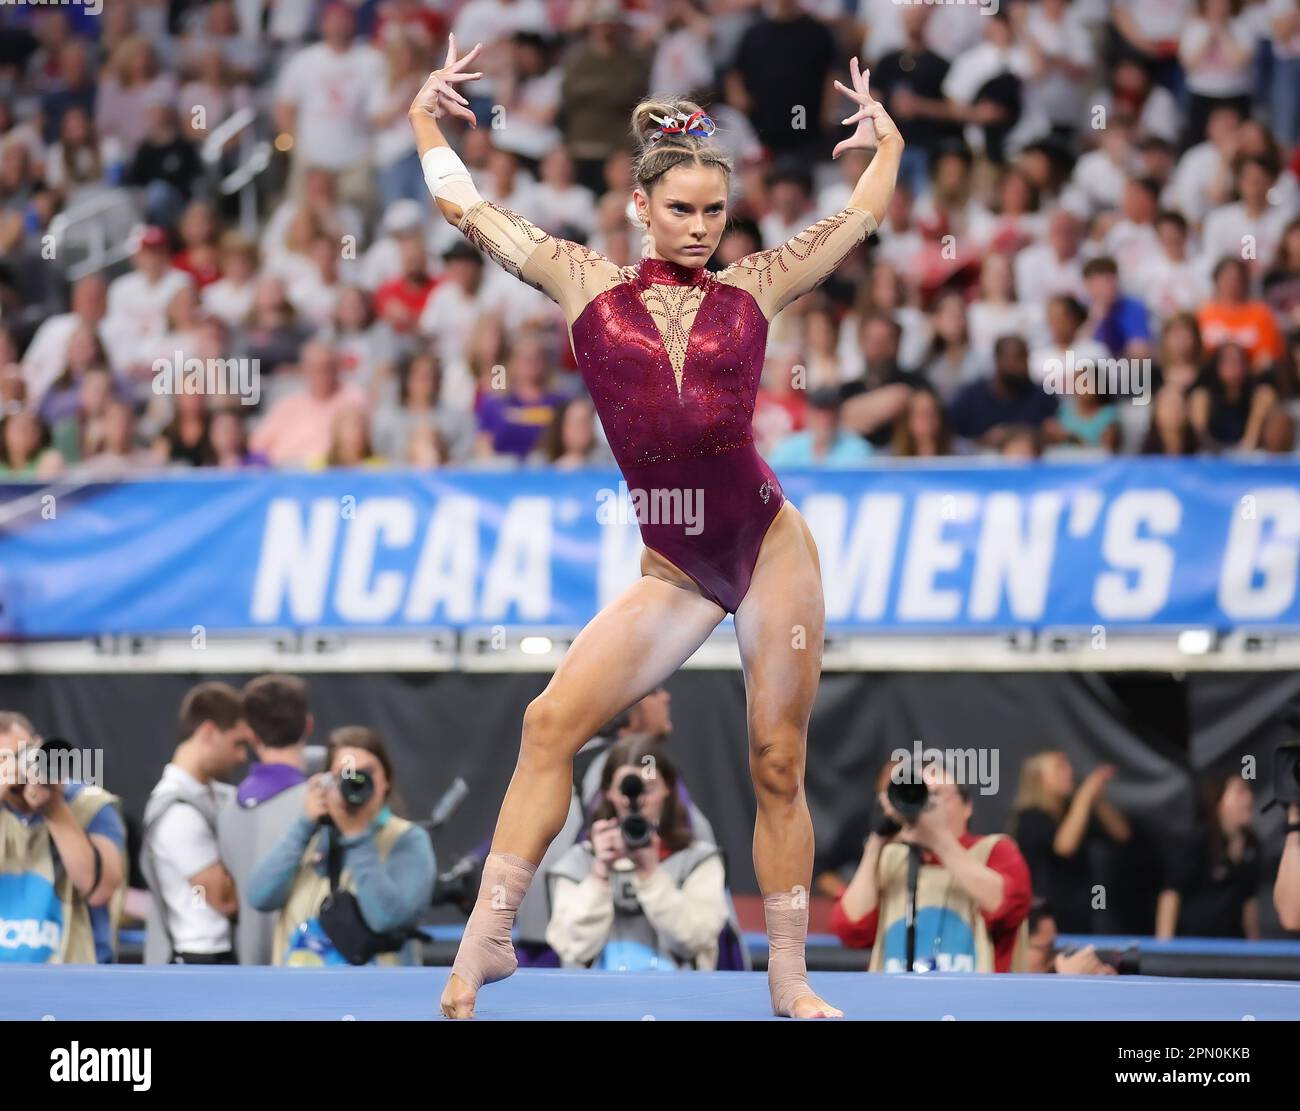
point(569, 273)
point(781, 274)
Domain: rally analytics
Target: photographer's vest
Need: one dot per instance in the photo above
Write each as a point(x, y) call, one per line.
point(950, 932)
point(44, 919)
point(631, 933)
point(310, 886)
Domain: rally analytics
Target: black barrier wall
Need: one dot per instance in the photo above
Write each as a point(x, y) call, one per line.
point(1160, 731)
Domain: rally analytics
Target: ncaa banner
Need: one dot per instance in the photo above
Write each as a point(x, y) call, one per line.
point(1137, 543)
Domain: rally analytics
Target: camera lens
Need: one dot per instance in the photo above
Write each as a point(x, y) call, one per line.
point(356, 789)
point(908, 798)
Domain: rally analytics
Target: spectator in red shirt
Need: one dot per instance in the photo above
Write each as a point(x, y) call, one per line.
point(400, 300)
point(973, 892)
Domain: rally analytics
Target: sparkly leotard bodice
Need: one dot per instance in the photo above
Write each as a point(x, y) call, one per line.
point(652, 410)
point(672, 356)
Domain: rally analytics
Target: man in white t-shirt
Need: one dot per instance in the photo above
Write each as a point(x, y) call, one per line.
point(138, 301)
point(469, 290)
point(322, 100)
point(492, 22)
point(47, 354)
point(1252, 222)
point(1045, 269)
point(194, 896)
point(1203, 177)
point(1169, 279)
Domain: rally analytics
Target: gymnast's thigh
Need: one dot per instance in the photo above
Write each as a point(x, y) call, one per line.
point(780, 624)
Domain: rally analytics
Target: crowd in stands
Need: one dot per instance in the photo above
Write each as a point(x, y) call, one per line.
point(1094, 245)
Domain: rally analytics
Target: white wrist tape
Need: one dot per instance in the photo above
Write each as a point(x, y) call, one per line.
point(447, 178)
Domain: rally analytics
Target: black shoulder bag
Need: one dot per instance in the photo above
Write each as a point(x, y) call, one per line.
point(341, 919)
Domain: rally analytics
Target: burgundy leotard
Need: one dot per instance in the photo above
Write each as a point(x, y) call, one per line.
point(698, 444)
point(672, 357)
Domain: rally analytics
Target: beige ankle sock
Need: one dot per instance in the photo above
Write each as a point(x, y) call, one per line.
point(787, 932)
point(486, 953)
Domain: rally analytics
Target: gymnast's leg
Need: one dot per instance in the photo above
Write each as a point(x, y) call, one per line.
point(779, 626)
point(628, 649)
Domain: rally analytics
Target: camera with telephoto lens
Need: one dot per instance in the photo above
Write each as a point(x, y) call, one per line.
point(356, 788)
point(1286, 763)
point(637, 828)
point(47, 762)
point(907, 793)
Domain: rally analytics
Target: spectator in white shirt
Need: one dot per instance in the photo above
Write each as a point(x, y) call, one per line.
point(986, 90)
point(1132, 239)
point(1100, 175)
point(138, 301)
point(492, 22)
point(1131, 90)
point(194, 896)
point(1216, 49)
point(1149, 30)
point(318, 191)
point(559, 201)
point(230, 297)
point(529, 100)
point(397, 161)
point(1203, 178)
point(790, 206)
point(998, 313)
point(1065, 320)
point(450, 315)
point(1250, 228)
point(1060, 54)
point(322, 100)
point(47, 354)
point(1053, 267)
point(1169, 279)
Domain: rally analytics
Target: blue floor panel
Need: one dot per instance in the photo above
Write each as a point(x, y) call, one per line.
point(176, 993)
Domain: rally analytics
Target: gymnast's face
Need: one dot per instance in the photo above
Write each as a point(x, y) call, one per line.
point(686, 212)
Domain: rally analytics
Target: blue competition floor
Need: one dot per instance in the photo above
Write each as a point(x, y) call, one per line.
point(171, 993)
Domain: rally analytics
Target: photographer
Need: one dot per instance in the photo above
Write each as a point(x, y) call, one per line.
point(61, 860)
point(973, 891)
point(643, 893)
point(384, 866)
point(1286, 891)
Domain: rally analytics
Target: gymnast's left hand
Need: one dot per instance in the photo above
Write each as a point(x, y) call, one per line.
point(874, 125)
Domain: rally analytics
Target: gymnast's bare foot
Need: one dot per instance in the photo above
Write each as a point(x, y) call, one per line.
point(458, 998)
point(813, 1006)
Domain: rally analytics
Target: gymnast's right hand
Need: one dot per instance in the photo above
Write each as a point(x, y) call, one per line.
point(607, 844)
point(438, 96)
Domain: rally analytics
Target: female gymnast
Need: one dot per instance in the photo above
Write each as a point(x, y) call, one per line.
point(671, 354)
